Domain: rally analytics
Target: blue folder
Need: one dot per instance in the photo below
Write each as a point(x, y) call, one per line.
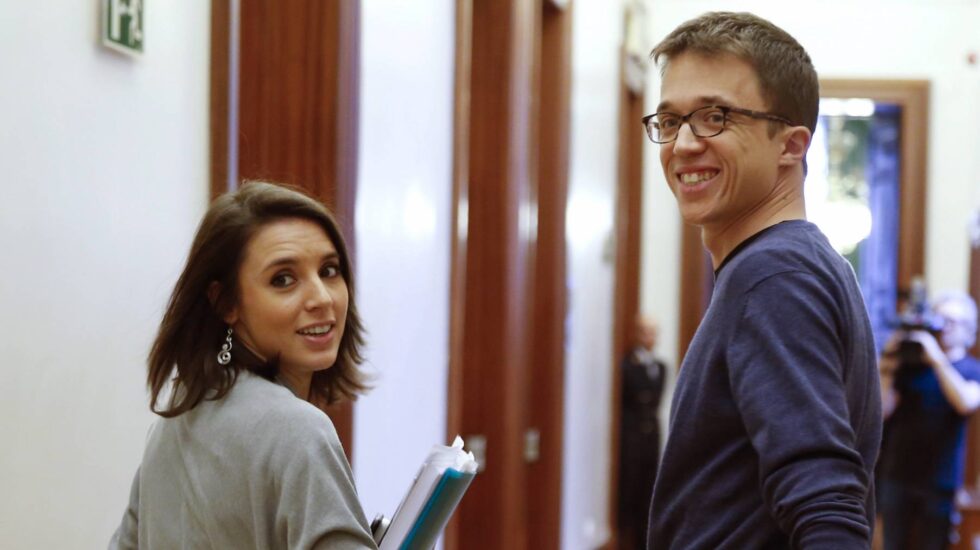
point(438, 508)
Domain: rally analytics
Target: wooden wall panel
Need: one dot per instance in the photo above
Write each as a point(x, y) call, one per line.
point(545, 392)
point(508, 281)
point(288, 115)
point(459, 239)
point(219, 95)
point(495, 335)
point(696, 279)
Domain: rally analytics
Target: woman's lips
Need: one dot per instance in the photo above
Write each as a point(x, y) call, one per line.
point(318, 335)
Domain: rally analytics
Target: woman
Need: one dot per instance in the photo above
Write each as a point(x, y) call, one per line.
point(260, 332)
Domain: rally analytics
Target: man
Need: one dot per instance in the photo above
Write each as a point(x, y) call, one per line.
point(776, 420)
point(643, 377)
point(929, 388)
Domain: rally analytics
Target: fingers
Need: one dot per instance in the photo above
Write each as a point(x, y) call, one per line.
point(891, 346)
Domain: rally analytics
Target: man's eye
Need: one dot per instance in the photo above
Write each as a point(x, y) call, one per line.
point(283, 280)
point(714, 117)
point(666, 123)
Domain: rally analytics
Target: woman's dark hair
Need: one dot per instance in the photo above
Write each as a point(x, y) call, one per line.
point(193, 328)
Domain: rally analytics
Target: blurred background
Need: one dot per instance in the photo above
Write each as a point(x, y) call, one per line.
point(508, 217)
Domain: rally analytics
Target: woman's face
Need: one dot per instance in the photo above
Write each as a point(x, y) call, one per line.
point(292, 300)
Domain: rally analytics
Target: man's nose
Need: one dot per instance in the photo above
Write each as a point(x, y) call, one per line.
point(687, 142)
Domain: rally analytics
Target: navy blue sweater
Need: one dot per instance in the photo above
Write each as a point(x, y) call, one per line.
point(776, 419)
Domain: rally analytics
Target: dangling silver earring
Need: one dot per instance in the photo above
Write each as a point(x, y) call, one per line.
point(224, 356)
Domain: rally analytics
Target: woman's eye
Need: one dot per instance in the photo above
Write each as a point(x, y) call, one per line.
point(283, 280)
point(329, 271)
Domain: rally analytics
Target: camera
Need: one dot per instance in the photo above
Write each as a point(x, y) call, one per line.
point(917, 315)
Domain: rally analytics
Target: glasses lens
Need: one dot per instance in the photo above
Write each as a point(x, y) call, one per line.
point(707, 122)
point(665, 127)
point(650, 125)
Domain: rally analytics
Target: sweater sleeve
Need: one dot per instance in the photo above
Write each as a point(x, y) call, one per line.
point(789, 382)
point(317, 504)
point(126, 536)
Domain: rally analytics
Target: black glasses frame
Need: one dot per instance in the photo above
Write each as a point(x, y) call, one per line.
point(725, 110)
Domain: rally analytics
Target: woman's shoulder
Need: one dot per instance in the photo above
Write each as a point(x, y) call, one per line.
point(272, 402)
point(257, 413)
point(278, 416)
point(258, 420)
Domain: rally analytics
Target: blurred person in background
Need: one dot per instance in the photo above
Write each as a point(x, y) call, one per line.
point(643, 376)
point(930, 385)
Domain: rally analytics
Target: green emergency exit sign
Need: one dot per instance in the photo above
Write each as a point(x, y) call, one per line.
point(122, 25)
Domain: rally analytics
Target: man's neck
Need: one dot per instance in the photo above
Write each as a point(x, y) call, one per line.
point(721, 240)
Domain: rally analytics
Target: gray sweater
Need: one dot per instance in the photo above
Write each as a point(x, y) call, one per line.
point(258, 468)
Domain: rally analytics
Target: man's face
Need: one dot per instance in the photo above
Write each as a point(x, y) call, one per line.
point(646, 335)
point(956, 325)
point(721, 181)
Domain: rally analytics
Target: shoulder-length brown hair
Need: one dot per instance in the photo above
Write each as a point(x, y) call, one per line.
point(193, 328)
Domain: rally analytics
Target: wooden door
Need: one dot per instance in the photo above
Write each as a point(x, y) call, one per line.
point(508, 280)
point(284, 106)
point(545, 391)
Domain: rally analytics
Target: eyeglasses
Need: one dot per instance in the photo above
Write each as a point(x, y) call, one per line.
point(705, 122)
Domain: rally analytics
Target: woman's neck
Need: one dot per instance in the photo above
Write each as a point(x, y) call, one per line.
point(299, 383)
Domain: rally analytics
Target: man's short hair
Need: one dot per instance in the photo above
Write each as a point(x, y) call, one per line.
point(786, 75)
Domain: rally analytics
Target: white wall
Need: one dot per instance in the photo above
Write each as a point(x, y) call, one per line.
point(597, 36)
point(105, 176)
point(403, 240)
point(878, 39)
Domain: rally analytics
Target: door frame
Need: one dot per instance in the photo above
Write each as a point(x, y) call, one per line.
point(508, 289)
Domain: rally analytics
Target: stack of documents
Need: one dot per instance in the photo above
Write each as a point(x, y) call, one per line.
point(423, 513)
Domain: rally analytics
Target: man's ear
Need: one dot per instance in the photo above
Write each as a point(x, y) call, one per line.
point(796, 142)
point(214, 292)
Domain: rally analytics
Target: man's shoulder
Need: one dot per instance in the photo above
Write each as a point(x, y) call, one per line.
point(796, 246)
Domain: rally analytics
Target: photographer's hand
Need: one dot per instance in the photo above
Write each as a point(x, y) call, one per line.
point(934, 354)
point(962, 394)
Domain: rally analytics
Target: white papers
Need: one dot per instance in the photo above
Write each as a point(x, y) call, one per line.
point(409, 518)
